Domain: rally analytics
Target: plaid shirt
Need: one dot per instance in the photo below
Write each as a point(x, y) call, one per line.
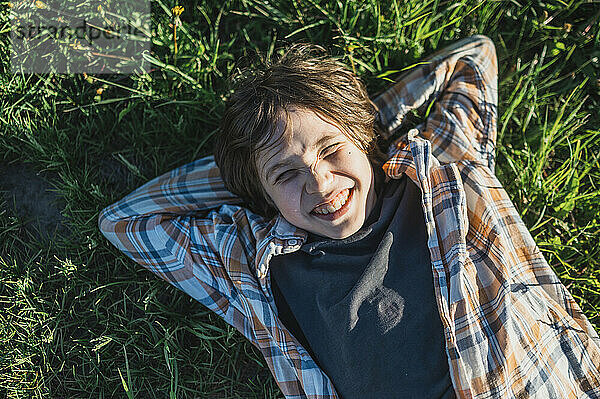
point(511, 328)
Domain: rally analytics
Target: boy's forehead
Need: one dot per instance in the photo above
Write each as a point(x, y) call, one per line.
point(272, 144)
point(301, 127)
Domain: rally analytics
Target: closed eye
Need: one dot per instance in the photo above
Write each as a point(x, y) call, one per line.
point(286, 175)
point(329, 150)
point(291, 173)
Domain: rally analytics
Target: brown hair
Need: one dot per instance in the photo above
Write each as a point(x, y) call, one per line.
point(302, 77)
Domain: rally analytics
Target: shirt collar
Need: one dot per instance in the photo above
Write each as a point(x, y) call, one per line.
point(282, 237)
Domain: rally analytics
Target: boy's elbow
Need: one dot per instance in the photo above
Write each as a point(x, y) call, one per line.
point(105, 222)
point(111, 227)
point(482, 37)
point(486, 55)
point(488, 45)
point(485, 41)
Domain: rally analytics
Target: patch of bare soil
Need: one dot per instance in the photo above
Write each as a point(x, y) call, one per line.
point(29, 196)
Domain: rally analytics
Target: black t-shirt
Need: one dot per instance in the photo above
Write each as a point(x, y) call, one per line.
point(365, 307)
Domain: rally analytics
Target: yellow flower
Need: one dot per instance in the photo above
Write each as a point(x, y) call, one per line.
point(40, 4)
point(177, 10)
point(10, 5)
point(99, 90)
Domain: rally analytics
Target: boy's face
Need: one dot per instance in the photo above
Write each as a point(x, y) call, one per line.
point(317, 178)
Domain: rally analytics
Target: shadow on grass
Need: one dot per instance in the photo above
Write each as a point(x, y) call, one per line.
point(30, 197)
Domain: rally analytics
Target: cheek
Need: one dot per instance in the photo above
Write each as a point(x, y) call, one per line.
point(287, 199)
point(356, 162)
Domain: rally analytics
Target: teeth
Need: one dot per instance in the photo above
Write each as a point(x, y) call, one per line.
point(334, 205)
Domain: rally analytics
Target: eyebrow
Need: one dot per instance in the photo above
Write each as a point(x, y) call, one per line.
point(288, 161)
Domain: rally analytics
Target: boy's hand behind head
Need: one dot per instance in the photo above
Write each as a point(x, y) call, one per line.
point(316, 176)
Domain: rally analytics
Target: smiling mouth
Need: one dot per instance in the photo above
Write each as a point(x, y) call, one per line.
point(336, 208)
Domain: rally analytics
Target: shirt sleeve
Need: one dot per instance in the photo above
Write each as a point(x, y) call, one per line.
point(169, 226)
point(460, 84)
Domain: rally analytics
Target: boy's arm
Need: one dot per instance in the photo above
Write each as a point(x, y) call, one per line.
point(165, 226)
point(462, 80)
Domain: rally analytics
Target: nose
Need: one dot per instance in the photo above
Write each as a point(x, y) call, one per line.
point(319, 179)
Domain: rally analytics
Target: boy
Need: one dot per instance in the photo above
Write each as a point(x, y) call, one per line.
point(357, 276)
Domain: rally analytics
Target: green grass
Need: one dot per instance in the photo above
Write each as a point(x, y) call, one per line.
point(78, 319)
